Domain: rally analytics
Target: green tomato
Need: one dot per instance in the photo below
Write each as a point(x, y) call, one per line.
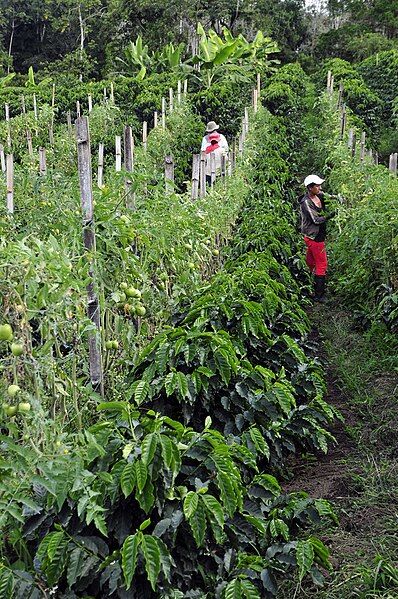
point(108, 344)
point(115, 344)
point(5, 332)
point(191, 265)
point(123, 285)
point(215, 253)
point(24, 407)
point(132, 292)
point(16, 349)
point(13, 390)
point(11, 410)
point(140, 310)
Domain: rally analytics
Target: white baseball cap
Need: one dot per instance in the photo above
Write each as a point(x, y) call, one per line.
point(313, 179)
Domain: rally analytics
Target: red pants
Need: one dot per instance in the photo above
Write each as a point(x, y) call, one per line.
point(316, 256)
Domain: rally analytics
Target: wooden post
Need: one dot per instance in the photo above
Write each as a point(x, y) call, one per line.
point(35, 113)
point(178, 92)
point(78, 112)
point(10, 183)
point(112, 94)
point(2, 159)
point(144, 134)
point(163, 113)
point(202, 175)
point(90, 103)
point(240, 144)
point(340, 96)
point(354, 144)
point(105, 94)
point(363, 145)
point(329, 79)
point(86, 195)
point(169, 173)
point(246, 121)
point(171, 100)
point(213, 173)
point(185, 88)
point(232, 160)
point(258, 85)
point(69, 122)
point(51, 130)
point(42, 161)
point(343, 117)
point(376, 158)
point(331, 84)
point(392, 167)
point(7, 113)
point(129, 166)
point(195, 176)
point(100, 176)
point(155, 119)
point(223, 167)
point(255, 100)
point(118, 153)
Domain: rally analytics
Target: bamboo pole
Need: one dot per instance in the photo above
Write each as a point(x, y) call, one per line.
point(258, 84)
point(118, 153)
point(169, 173)
point(90, 103)
point(195, 176)
point(10, 183)
point(42, 161)
point(100, 176)
point(392, 166)
point(202, 175)
point(155, 119)
point(35, 113)
point(112, 94)
point(86, 195)
point(129, 166)
point(185, 93)
point(78, 111)
point(171, 100)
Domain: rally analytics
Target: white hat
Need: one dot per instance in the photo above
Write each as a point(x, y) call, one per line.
point(313, 179)
point(211, 126)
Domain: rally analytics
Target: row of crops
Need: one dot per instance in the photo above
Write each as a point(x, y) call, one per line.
point(171, 490)
point(168, 486)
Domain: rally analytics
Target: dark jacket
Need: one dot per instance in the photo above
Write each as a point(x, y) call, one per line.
point(313, 220)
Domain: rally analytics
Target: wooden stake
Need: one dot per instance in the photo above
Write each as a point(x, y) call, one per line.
point(78, 113)
point(100, 176)
point(329, 79)
point(340, 96)
point(185, 88)
point(86, 194)
point(195, 176)
point(144, 134)
point(213, 173)
point(163, 113)
point(129, 166)
point(363, 146)
point(255, 100)
point(42, 161)
point(178, 92)
point(112, 94)
point(118, 153)
point(35, 113)
point(343, 118)
point(331, 84)
point(354, 144)
point(90, 103)
point(350, 138)
point(155, 119)
point(392, 167)
point(51, 129)
point(202, 175)
point(10, 183)
point(240, 144)
point(169, 173)
point(171, 100)
point(223, 167)
point(376, 158)
point(258, 85)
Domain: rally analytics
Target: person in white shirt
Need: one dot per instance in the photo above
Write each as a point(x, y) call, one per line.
point(211, 127)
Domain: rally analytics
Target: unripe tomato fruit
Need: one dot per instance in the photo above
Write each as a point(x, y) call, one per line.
point(24, 406)
point(140, 310)
point(13, 390)
point(11, 410)
point(123, 285)
point(115, 344)
point(17, 349)
point(109, 344)
point(132, 292)
point(5, 332)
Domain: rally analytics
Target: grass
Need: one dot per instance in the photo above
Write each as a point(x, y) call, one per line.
point(362, 368)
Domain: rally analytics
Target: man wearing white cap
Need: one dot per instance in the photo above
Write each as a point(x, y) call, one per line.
point(212, 127)
point(313, 227)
